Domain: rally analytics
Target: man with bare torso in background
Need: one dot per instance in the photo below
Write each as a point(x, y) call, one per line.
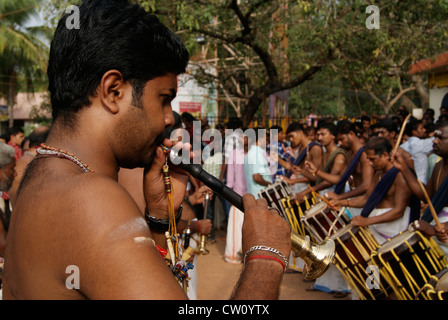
point(386, 203)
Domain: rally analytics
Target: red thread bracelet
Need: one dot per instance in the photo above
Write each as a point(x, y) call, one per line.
point(199, 227)
point(267, 257)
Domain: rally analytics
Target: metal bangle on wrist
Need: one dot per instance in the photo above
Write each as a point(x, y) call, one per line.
point(160, 225)
point(269, 249)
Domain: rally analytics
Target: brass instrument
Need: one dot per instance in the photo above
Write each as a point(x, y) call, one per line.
point(317, 257)
point(202, 244)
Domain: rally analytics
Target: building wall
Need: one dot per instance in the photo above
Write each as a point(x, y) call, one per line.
point(435, 99)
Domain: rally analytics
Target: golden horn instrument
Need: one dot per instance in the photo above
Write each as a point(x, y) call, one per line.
point(317, 257)
point(202, 244)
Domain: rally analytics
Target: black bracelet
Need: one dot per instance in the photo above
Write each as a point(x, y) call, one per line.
point(187, 200)
point(160, 225)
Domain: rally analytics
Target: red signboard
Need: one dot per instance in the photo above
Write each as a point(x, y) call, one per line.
point(191, 107)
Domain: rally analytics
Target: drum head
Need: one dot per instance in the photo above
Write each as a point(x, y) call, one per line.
point(318, 207)
point(442, 284)
point(398, 244)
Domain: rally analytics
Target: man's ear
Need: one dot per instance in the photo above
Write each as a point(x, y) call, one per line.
point(112, 90)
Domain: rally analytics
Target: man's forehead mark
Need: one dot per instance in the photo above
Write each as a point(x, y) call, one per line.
point(438, 133)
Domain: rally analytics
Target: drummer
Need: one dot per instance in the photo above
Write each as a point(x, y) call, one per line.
point(386, 204)
point(436, 188)
point(359, 168)
point(335, 163)
point(309, 150)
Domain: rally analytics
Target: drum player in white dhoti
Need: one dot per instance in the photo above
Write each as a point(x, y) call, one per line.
point(362, 172)
point(310, 151)
point(391, 215)
point(334, 165)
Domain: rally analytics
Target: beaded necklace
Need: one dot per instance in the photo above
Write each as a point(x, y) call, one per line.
point(52, 151)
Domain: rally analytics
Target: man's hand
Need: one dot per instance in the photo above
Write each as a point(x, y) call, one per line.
point(360, 221)
point(331, 196)
point(205, 226)
point(198, 196)
point(154, 186)
point(442, 234)
point(302, 194)
point(264, 227)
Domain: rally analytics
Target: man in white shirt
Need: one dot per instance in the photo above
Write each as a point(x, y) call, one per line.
point(256, 165)
point(418, 147)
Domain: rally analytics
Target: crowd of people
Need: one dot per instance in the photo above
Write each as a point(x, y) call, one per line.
point(95, 193)
point(363, 164)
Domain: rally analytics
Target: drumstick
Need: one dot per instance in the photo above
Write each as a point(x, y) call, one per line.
point(322, 198)
point(400, 136)
point(431, 208)
point(287, 155)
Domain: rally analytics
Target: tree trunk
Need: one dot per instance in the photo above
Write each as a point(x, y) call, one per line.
point(251, 107)
point(12, 92)
point(422, 90)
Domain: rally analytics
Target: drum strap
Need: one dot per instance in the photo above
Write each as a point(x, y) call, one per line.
point(341, 184)
point(380, 191)
point(438, 201)
point(302, 156)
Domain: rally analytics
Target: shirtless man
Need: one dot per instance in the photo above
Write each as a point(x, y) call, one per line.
point(313, 152)
point(363, 172)
point(335, 163)
point(111, 88)
point(388, 129)
point(391, 215)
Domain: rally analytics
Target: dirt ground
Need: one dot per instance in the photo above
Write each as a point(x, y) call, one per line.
point(217, 278)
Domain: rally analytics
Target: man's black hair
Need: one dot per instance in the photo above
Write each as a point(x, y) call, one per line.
point(295, 126)
point(329, 126)
point(389, 125)
point(112, 35)
point(345, 126)
point(12, 132)
point(379, 145)
point(234, 123)
point(411, 125)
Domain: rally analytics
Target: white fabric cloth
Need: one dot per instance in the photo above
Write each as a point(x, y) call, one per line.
point(332, 281)
point(419, 150)
point(385, 231)
point(192, 291)
point(233, 250)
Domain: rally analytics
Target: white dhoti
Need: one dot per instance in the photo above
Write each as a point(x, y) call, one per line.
point(296, 264)
point(298, 187)
point(332, 281)
point(388, 230)
point(192, 291)
point(233, 250)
